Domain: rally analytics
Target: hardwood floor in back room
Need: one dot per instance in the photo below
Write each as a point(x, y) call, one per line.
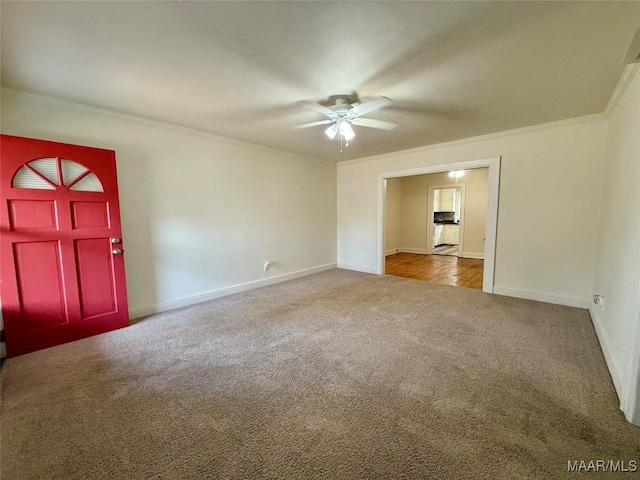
point(445, 270)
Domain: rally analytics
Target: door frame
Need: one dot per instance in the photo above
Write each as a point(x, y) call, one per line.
point(492, 209)
point(463, 192)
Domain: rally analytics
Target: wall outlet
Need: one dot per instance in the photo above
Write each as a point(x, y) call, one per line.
point(363, 256)
point(267, 264)
point(598, 299)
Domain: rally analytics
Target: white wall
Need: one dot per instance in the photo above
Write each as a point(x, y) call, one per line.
point(393, 217)
point(550, 190)
point(618, 260)
point(413, 232)
point(200, 214)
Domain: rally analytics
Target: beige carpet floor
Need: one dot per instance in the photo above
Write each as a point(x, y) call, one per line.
point(339, 375)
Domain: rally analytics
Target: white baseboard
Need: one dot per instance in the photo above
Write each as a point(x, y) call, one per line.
point(612, 364)
point(542, 297)
point(357, 268)
point(138, 312)
point(479, 256)
point(422, 251)
point(393, 251)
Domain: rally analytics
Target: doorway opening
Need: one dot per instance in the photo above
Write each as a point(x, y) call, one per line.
point(445, 214)
point(440, 228)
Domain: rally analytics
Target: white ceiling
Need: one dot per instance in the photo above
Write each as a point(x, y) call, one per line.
point(452, 69)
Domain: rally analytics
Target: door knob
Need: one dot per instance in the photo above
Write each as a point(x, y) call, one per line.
point(115, 240)
point(116, 251)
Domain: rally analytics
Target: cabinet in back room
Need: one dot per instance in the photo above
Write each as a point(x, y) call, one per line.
point(451, 234)
point(446, 199)
point(438, 237)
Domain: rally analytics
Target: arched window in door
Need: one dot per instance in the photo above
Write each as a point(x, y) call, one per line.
point(52, 173)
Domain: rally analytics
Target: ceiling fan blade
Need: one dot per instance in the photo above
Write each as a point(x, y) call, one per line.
point(424, 109)
point(314, 124)
point(370, 106)
point(373, 123)
point(317, 107)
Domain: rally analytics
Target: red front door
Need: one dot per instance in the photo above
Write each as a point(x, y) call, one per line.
point(62, 268)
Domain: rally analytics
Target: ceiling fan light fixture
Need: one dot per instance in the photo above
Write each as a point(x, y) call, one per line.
point(331, 131)
point(457, 174)
point(342, 115)
point(347, 131)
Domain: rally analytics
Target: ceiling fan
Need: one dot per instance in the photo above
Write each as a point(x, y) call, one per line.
point(343, 115)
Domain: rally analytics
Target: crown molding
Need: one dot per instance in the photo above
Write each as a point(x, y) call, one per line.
point(83, 107)
point(621, 87)
point(623, 82)
point(488, 136)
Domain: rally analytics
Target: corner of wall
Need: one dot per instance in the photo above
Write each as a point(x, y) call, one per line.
point(357, 268)
point(623, 82)
point(621, 142)
point(603, 339)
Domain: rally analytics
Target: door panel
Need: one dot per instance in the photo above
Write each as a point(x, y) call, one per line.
point(59, 211)
point(95, 277)
point(33, 214)
point(42, 300)
point(90, 214)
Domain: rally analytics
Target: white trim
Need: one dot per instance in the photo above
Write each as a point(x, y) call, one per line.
point(630, 402)
point(491, 226)
point(610, 359)
point(633, 52)
point(478, 255)
point(623, 82)
point(627, 386)
point(542, 297)
point(83, 107)
point(488, 136)
point(420, 251)
point(393, 251)
point(221, 292)
point(357, 268)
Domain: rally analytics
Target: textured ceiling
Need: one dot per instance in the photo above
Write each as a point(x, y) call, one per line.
point(452, 69)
